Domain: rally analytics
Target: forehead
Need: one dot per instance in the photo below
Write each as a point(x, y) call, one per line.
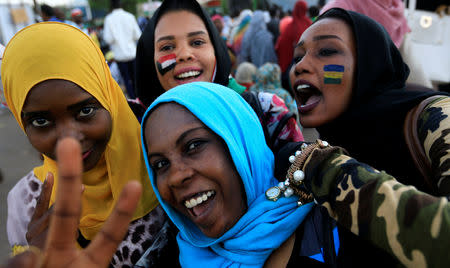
point(51, 92)
point(179, 23)
point(329, 26)
point(167, 120)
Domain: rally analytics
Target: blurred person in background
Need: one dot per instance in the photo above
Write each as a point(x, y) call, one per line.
point(219, 23)
point(77, 18)
point(274, 24)
point(289, 37)
point(257, 44)
point(237, 32)
point(48, 13)
point(245, 74)
point(143, 21)
point(268, 78)
point(121, 32)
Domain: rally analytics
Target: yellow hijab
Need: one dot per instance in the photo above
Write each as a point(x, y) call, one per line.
point(53, 50)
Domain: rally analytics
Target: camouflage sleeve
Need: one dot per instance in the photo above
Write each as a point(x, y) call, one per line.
point(411, 225)
point(434, 133)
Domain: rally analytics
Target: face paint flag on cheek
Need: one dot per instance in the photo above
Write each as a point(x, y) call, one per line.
point(333, 74)
point(166, 63)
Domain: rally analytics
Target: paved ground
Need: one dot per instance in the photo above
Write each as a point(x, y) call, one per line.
point(17, 158)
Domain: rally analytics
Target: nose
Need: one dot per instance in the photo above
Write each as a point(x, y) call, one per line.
point(69, 128)
point(180, 173)
point(302, 66)
point(184, 53)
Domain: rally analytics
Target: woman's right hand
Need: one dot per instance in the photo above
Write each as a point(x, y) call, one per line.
point(38, 226)
point(60, 247)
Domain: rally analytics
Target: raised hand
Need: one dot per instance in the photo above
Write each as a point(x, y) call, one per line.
point(60, 248)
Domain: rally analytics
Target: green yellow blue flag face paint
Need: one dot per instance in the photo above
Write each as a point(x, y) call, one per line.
point(333, 74)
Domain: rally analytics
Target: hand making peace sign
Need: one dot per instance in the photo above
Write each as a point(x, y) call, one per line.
point(60, 248)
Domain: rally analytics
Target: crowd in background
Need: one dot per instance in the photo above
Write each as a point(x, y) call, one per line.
point(255, 37)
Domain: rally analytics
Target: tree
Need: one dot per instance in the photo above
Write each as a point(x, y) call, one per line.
point(128, 5)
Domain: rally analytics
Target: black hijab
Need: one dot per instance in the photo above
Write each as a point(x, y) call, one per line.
point(371, 128)
point(148, 87)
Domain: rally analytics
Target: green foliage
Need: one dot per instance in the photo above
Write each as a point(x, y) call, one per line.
point(128, 5)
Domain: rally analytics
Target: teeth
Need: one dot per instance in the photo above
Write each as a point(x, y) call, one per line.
point(198, 200)
point(303, 86)
point(188, 74)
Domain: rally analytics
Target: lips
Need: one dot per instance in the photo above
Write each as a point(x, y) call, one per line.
point(308, 96)
point(87, 153)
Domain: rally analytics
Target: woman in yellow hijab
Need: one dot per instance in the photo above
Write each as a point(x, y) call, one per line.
point(57, 83)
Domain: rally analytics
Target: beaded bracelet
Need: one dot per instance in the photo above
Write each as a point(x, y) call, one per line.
point(293, 185)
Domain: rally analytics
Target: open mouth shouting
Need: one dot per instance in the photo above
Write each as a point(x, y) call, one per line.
point(187, 75)
point(308, 96)
point(199, 204)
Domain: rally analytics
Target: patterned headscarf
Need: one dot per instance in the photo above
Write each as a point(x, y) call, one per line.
point(53, 50)
point(268, 79)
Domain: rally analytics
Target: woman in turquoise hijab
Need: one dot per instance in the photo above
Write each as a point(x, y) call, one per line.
point(203, 145)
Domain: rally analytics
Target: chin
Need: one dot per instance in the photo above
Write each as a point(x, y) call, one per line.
point(309, 121)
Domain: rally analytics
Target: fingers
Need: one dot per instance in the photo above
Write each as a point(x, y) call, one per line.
point(113, 231)
point(65, 218)
point(37, 230)
point(44, 197)
point(27, 259)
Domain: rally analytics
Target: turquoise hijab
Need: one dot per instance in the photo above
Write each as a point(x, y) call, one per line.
point(266, 224)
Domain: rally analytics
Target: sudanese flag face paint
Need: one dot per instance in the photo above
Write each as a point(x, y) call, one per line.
point(166, 63)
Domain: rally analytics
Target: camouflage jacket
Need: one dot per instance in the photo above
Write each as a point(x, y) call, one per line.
point(412, 226)
point(434, 134)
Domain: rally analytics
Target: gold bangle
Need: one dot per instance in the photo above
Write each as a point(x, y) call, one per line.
point(19, 249)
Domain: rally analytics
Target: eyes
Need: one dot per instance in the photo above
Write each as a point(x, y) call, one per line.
point(42, 121)
point(86, 112)
point(322, 52)
point(191, 148)
point(171, 46)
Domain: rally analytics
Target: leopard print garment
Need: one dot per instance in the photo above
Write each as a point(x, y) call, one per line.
point(140, 236)
point(22, 201)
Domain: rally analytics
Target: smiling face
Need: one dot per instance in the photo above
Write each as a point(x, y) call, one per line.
point(324, 70)
point(182, 35)
point(57, 108)
point(193, 169)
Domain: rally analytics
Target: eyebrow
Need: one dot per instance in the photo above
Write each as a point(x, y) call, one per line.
point(318, 38)
point(35, 114)
point(195, 33)
point(81, 103)
point(70, 107)
point(172, 37)
point(179, 140)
